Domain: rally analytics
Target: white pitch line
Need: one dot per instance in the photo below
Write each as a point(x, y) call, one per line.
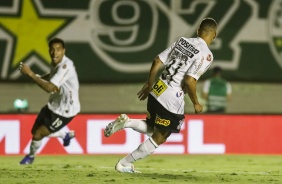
point(191, 170)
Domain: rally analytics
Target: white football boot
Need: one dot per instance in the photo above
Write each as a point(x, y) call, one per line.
point(116, 125)
point(125, 169)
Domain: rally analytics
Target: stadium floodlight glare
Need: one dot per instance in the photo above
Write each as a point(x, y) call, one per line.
point(20, 105)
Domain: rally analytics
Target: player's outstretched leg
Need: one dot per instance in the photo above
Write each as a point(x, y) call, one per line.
point(68, 137)
point(125, 169)
point(116, 125)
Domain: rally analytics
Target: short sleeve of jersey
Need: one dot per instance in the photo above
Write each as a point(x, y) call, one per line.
point(196, 67)
point(199, 67)
point(61, 75)
point(166, 53)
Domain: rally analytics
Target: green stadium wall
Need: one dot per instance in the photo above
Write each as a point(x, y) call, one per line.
point(115, 41)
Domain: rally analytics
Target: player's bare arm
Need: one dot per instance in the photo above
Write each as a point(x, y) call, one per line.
point(44, 84)
point(146, 89)
point(191, 84)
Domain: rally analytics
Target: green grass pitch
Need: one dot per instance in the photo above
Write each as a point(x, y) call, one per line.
point(89, 169)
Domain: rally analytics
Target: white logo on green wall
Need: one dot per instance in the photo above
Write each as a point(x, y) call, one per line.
point(275, 25)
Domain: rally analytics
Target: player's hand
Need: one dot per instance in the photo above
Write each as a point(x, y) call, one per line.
point(25, 69)
point(144, 92)
point(198, 108)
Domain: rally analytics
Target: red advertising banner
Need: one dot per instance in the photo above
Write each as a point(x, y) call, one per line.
point(200, 134)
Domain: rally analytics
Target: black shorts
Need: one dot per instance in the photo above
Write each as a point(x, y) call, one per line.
point(161, 118)
point(52, 121)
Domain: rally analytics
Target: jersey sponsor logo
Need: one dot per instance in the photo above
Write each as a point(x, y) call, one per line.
point(159, 88)
point(186, 48)
point(179, 93)
point(160, 121)
point(184, 52)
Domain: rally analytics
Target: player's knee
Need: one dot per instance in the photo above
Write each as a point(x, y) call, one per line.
point(39, 134)
point(159, 138)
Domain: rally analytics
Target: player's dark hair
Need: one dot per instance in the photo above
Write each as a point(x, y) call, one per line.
point(208, 24)
point(56, 40)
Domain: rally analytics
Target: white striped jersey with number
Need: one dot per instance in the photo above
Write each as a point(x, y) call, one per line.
point(187, 56)
point(66, 102)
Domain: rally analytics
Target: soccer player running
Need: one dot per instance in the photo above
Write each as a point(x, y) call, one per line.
point(63, 105)
point(184, 61)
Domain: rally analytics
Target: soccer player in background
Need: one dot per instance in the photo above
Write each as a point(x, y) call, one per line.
point(184, 62)
point(63, 105)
